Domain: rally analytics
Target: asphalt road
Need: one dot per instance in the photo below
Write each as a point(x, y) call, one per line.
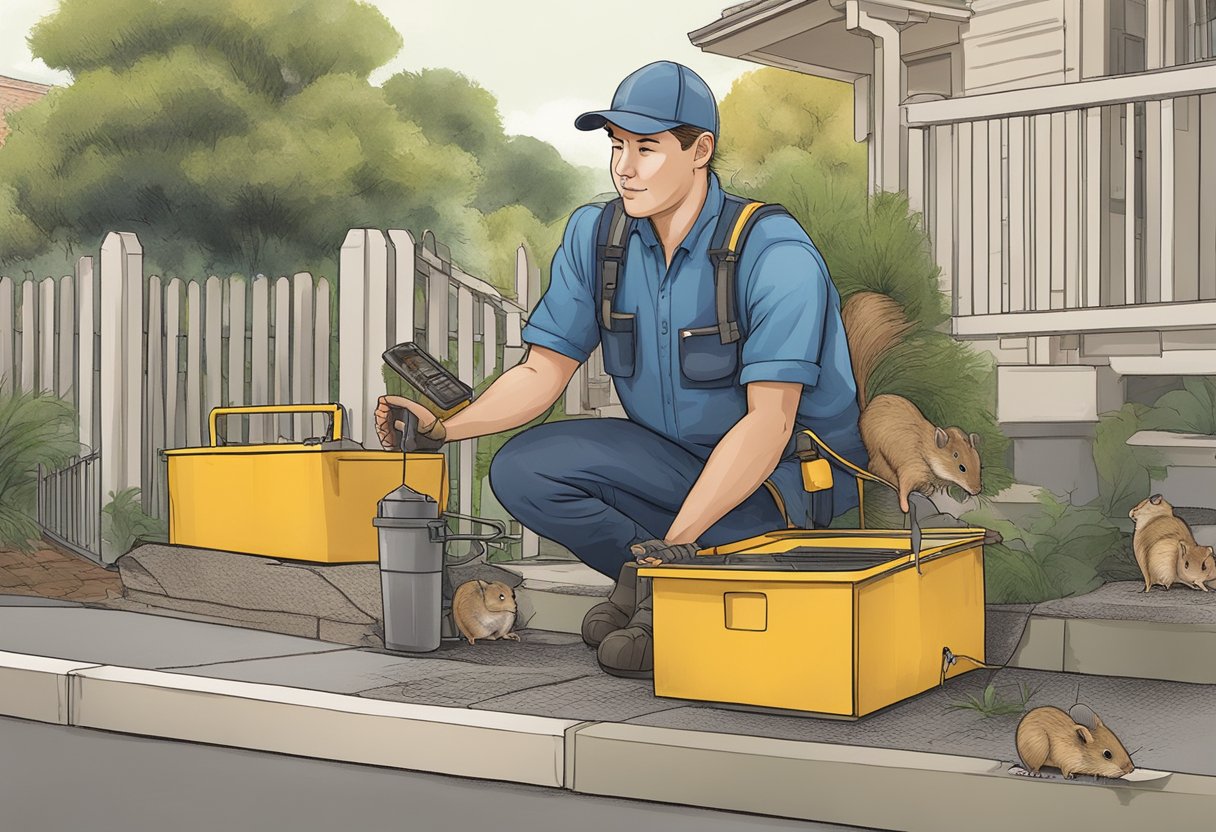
point(54, 778)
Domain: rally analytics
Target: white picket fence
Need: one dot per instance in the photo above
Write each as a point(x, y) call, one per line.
point(145, 358)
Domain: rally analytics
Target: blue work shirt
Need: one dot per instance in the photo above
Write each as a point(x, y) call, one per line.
point(789, 318)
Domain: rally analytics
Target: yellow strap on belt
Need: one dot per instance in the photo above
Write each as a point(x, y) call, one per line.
point(859, 474)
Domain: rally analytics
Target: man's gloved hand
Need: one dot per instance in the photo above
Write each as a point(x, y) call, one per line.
point(390, 410)
point(660, 551)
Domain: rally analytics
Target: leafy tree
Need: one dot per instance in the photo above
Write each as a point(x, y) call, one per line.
point(770, 111)
point(532, 173)
point(230, 135)
point(450, 108)
point(506, 229)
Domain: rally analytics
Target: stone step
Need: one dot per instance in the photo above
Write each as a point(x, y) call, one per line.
point(556, 595)
point(1120, 630)
point(339, 603)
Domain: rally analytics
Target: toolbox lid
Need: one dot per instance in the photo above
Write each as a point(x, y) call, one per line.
point(793, 557)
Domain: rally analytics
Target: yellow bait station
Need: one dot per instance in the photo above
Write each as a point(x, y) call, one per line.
point(839, 622)
point(294, 501)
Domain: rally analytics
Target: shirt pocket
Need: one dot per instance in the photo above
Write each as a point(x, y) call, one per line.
point(620, 345)
point(705, 361)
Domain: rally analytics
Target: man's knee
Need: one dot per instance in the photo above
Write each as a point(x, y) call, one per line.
point(509, 466)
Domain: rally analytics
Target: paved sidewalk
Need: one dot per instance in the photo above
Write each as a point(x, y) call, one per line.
point(51, 573)
point(542, 713)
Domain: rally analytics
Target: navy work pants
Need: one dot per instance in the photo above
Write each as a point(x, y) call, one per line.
point(598, 485)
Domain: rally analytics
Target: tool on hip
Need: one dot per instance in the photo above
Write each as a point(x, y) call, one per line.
point(817, 476)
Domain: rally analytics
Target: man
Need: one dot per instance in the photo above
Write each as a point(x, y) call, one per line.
point(706, 455)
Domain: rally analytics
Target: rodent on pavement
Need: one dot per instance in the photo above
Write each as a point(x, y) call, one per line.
point(905, 448)
point(485, 610)
point(1048, 736)
point(1166, 550)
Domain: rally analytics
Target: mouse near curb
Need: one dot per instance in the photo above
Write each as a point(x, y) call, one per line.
point(1049, 736)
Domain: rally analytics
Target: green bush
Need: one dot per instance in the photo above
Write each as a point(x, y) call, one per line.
point(1062, 551)
point(1189, 410)
point(1124, 472)
point(35, 429)
point(1067, 549)
point(124, 523)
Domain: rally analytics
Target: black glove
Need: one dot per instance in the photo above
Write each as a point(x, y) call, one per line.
point(413, 440)
point(664, 552)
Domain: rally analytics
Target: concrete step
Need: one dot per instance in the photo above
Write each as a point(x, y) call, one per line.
point(1120, 630)
point(339, 603)
point(556, 595)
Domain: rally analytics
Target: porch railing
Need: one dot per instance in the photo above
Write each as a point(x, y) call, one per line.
point(1087, 206)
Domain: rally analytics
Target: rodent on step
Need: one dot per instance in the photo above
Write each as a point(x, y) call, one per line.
point(1166, 550)
point(1048, 736)
point(904, 447)
point(485, 610)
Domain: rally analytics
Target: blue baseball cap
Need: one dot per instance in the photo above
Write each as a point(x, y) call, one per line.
point(655, 98)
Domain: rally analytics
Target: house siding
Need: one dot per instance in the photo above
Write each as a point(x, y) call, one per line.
point(14, 95)
point(1013, 44)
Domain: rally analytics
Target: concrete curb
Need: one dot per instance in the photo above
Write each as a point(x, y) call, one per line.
point(35, 687)
point(884, 788)
point(862, 786)
point(457, 741)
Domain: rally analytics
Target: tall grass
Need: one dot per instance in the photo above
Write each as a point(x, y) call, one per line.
point(35, 428)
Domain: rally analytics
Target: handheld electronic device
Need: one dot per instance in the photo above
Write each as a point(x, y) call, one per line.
point(444, 392)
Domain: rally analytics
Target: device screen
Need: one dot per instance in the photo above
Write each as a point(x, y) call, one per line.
point(427, 375)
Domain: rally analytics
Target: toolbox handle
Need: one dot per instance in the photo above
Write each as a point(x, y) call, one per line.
point(336, 411)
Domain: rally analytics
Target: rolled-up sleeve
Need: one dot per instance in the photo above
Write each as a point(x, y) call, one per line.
point(564, 318)
point(786, 302)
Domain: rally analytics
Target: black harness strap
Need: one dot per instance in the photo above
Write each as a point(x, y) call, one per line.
point(726, 259)
point(612, 237)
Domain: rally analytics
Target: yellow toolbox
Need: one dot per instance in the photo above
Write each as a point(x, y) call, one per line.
point(309, 501)
point(833, 622)
point(839, 622)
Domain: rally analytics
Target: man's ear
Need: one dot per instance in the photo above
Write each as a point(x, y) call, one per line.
point(704, 149)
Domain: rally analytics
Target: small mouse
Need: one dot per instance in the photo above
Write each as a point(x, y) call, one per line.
point(485, 610)
point(908, 450)
point(1048, 736)
point(1166, 550)
point(1196, 565)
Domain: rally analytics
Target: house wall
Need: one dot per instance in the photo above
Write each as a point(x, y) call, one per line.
point(1013, 44)
point(15, 94)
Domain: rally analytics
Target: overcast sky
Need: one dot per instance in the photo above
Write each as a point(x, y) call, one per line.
point(545, 60)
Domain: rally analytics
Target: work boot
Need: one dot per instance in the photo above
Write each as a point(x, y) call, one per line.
point(629, 652)
point(613, 614)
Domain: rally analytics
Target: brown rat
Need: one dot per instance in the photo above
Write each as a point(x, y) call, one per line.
point(485, 610)
point(1048, 736)
point(905, 448)
point(1166, 550)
